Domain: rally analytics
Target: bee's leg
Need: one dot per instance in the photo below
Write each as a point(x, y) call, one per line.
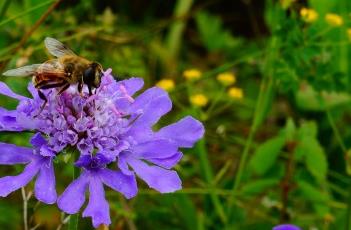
point(90, 90)
point(80, 88)
point(54, 85)
point(63, 88)
point(43, 97)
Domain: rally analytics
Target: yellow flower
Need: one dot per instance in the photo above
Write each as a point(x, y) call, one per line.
point(192, 74)
point(349, 33)
point(166, 84)
point(308, 15)
point(226, 78)
point(199, 100)
point(334, 19)
point(236, 93)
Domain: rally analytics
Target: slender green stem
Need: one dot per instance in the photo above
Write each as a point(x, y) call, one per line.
point(263, 101)
point(208, 175)
point(73, 220)
point(4, 8)
point(25, 208)
point(177, 28)
point(336, 131)
point(344, 150)
point(26, 12)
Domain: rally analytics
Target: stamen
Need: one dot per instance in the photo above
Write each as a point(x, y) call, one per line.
point(124, 91)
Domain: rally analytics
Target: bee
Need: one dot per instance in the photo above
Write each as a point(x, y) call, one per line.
point(66, 69)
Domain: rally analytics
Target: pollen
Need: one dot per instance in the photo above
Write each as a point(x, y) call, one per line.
point(199, 100)
point(192, 74)
point(308, 15)
point(334, 19)
point(235, 93)
point(166, 84)
point(226, 78)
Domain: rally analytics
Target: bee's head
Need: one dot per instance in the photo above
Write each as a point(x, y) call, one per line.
point(92, 75)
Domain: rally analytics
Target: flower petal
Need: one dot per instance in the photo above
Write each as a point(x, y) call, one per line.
point(38, 140)
point(5, 90)
point(9, 184)
point(168, 162)
point(286, 227)
point(125, 184)
point(122, 163)
point(132, 85)
point(184, 133)
point(153, 104)
point(155, 149)
point(45, 190)
point(98, 208)
point(157, 178)
point(8, 121)
point(72, 199)
point(12, 154)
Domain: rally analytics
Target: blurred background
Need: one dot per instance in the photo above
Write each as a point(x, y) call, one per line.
point(269, 79)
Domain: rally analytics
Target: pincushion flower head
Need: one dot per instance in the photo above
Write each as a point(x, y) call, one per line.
point(113, 133)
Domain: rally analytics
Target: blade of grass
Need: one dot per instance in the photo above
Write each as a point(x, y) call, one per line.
point(263, 101)
point(4, 8)
point(31, 31)
point(177, 28)
point(26, 12)
point(209, 177)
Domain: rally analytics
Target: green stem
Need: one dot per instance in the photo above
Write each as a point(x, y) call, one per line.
point(208, 175)
point(263, 102)
point(336, 131)
point(73, 220)
point(176, 31)
point(4, 8)
point(344, 149)
point(26, 12)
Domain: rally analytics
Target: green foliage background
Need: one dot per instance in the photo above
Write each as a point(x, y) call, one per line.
point(281, 154)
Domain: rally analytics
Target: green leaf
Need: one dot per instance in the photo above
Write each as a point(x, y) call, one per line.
point(316, 160)
point(213, 34)
point(258, 186)
point(290, 130)
point(266, 155)
point(309, 99)
point(314, 156)
point(312, 193)
point(307, 130)
point(315, 195)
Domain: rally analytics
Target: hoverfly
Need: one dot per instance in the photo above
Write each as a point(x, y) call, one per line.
point(66, 69)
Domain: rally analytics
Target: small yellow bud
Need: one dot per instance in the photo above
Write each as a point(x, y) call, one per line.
point(349, 33)
point(308, 15)
point(236, 93)
point(198, 100)
point(226, 78)
point(334, 20)
point(166, 84)
point(192, 74)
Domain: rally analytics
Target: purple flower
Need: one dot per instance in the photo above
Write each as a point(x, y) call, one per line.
point(39, 162)
point(286, 227)
point(94, 175)
point(114, 135)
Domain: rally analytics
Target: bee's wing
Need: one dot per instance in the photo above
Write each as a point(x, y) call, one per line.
point(52, 68)
point(22, 71)
point(56, 48)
